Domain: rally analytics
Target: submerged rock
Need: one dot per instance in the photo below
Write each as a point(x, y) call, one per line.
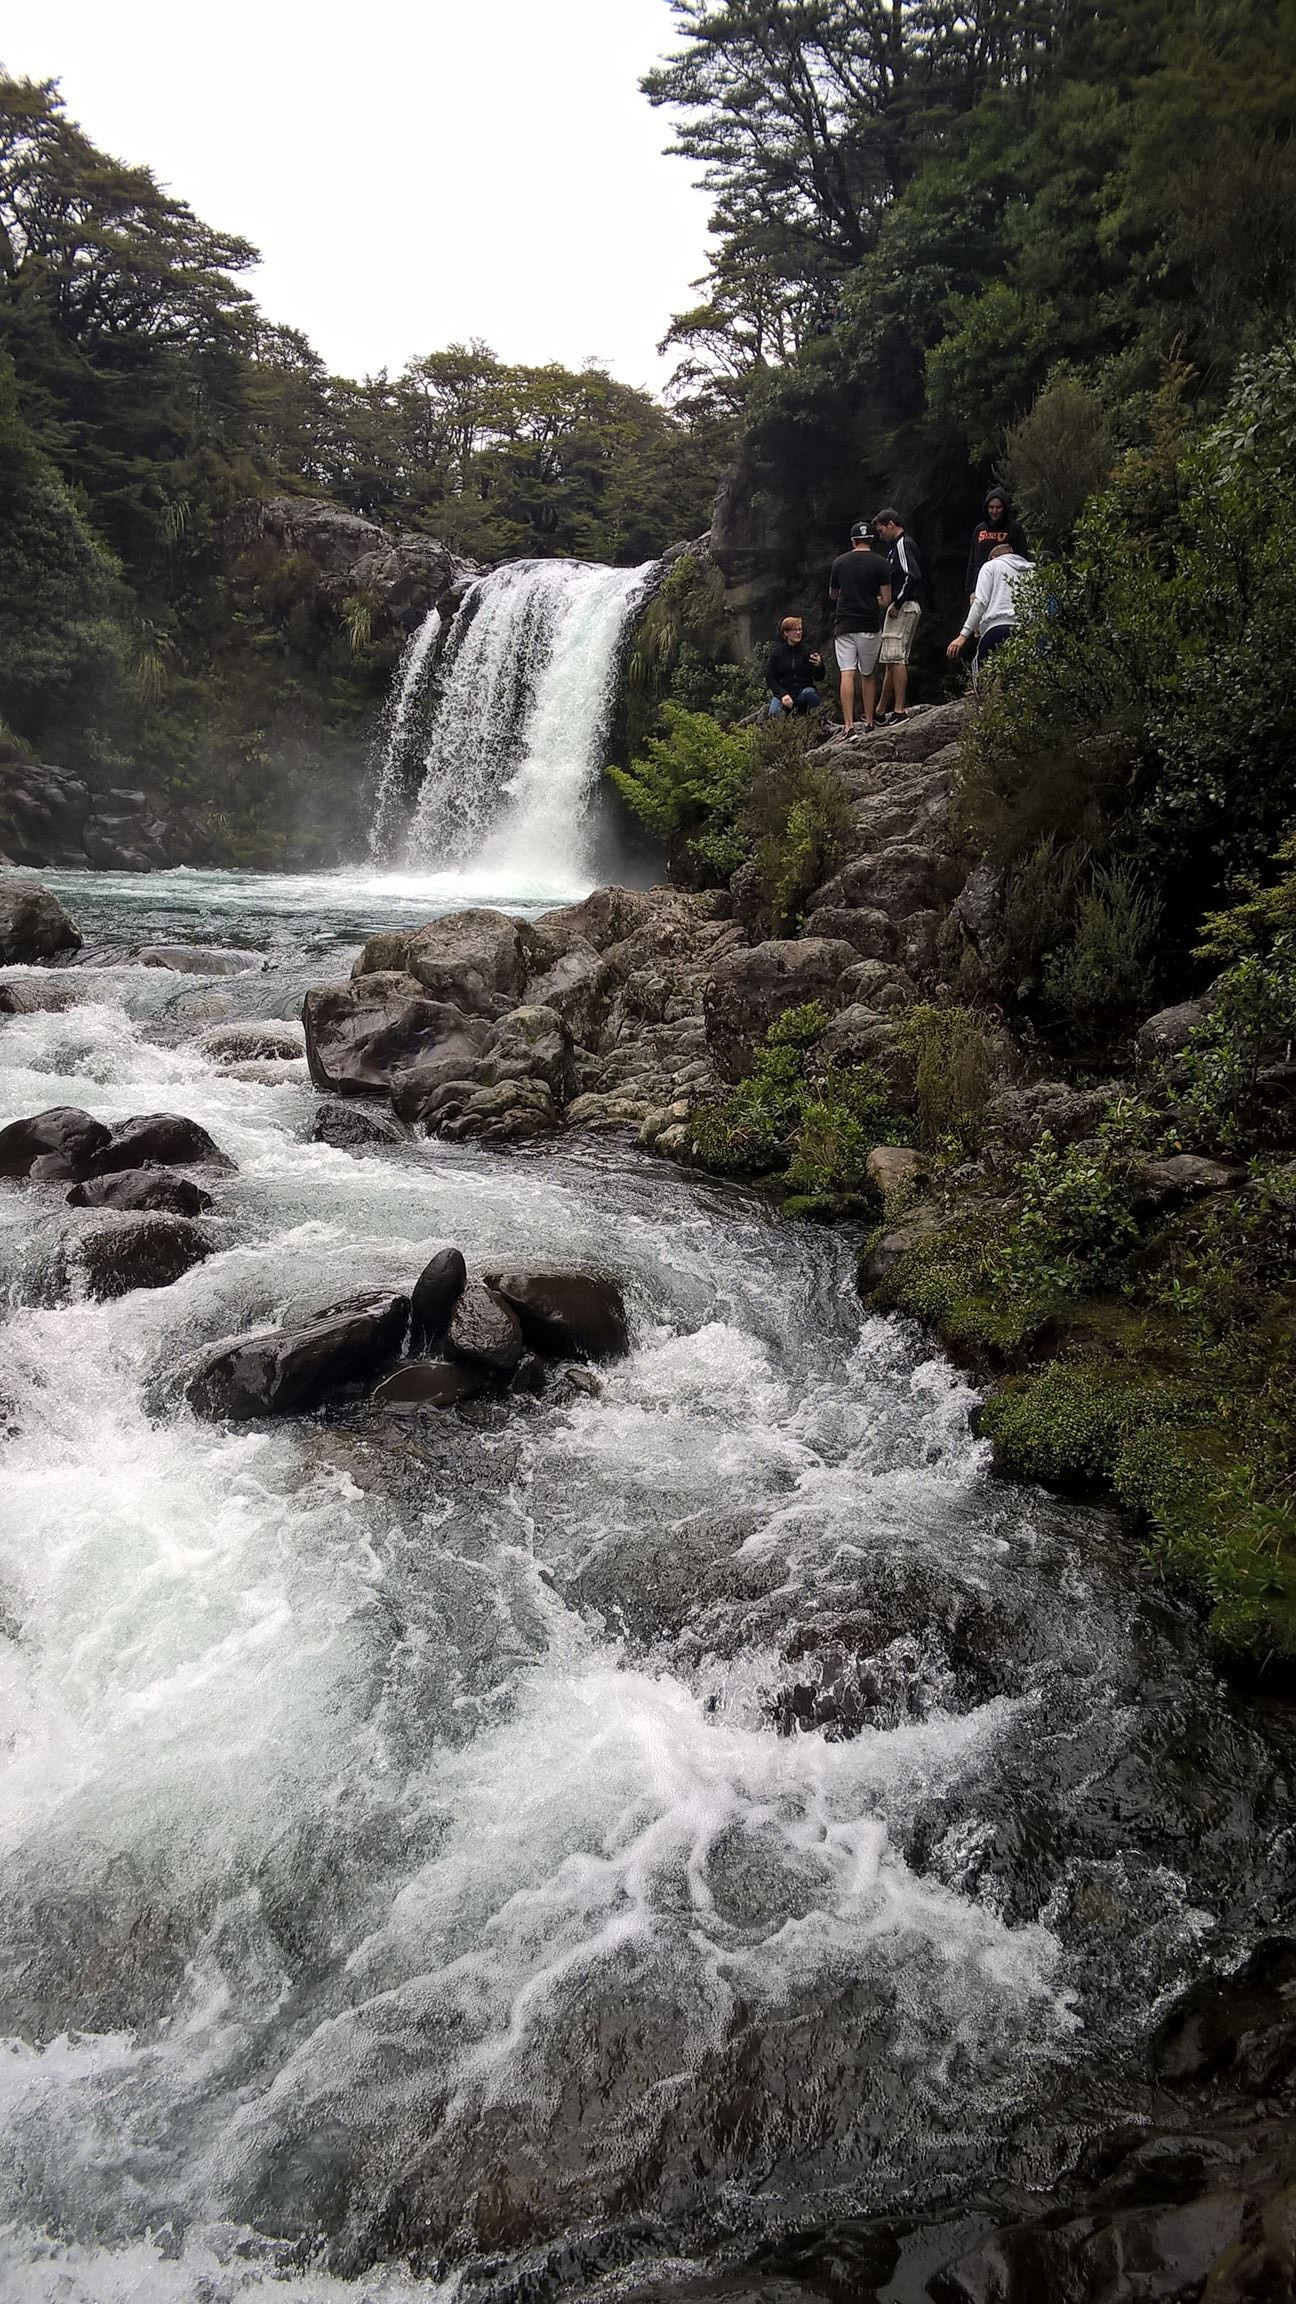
point(33, 924)
point(253, 1043)
point(577, 1314)
point(158, 1139)
point(128, 1251)
point(288, 1371)
point(141, 1188)
point(436, 1292)
point(65, 1134)
point(428, 1384)
point(199, 959)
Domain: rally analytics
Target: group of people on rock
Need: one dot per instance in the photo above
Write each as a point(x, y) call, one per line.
point(875, 590)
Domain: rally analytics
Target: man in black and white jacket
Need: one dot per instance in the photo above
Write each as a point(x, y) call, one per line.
point(903, 615)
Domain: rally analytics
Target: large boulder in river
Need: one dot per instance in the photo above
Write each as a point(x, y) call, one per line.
point(436, 1292)
point(33, 924)
point(420, 1384)
point(361, 1035)
point(472, 959)
point(484, 1330)
point(159, 1140)
point(288, 1371)
point(751, 987)
point(123, 1252)
point(141, 1189)
point(65, 1135)
point(266, 1041)
point(577, 1314)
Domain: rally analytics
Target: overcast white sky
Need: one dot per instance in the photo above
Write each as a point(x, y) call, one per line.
point(414, 172)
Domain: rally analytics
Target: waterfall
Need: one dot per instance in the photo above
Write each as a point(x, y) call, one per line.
point(518, 729)
point(399, 717)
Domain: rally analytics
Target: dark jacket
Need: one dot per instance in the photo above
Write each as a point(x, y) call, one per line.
point(987, 533)
point(906, 572)
point(788, 669)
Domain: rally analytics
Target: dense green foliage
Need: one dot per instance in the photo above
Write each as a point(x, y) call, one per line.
point(747, 799)
point(153, 400)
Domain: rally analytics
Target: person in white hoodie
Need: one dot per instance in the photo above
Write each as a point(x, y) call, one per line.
point(992, 617)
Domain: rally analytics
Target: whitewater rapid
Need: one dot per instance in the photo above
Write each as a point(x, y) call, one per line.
point(400, 1849)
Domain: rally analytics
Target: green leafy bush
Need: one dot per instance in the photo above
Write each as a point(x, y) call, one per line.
point(796, 821)
point(1102, 970)
point(689, 786)
point(1075, 1225)
point(953, 1075)
point(814, 1130)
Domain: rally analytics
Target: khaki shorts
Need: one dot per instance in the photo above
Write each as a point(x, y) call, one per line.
point(898, 633)
point(857, 651)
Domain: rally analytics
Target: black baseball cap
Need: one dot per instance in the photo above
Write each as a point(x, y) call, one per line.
point(860, 530)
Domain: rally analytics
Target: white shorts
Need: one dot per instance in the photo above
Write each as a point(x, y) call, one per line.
point(857, 651)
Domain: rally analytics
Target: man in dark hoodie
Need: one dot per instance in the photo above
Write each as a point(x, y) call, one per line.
point(792, 671)
point(998, 525)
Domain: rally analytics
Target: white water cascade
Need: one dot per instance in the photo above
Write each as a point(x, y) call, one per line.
point(518, 731)
point(405, 696)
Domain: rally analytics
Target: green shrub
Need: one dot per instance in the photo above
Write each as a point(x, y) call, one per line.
point(1075, 1225)
point(797, 822)
point(953, 1075)
point(690, 784)
point(816, 1132)
point(1102, 971)
point(1057, 457)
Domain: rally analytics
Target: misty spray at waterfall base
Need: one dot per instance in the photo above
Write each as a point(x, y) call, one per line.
point(495, 741)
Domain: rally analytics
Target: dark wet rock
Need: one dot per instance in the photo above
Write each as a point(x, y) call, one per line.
point(158, 1139)
point(530, 1374)
point(870, 933)
point(484, 1329)
point(1166, 1035)
point(199, 959)
point(288, 1371)
point(1240, 2027)
point(356, 1128)
point(577, 1314)
point(428, 1384)
point(472, 959)
point(127, 1251)
point(750, 988)
point(1159, 2254)
point(64, 1133)
point(141, 1189)
point(362, 1036)
point(33, 924)
point(252, 1043)
point(436, 1292)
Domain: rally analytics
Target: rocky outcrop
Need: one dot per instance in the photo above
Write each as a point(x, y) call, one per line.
point(33, 924)
point(406, 572)
point(49, 816)
point(68, 1145)
point(748, 990)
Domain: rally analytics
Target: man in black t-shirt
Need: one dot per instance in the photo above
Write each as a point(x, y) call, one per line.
point(859, 589)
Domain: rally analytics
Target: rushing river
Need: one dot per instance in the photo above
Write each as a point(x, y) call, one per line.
point(413, 1846)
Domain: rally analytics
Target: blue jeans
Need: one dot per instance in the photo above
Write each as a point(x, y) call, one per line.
point(805, 700)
